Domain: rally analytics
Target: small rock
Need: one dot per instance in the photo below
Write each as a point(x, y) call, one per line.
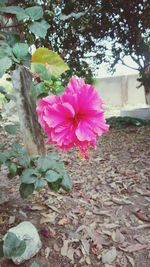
point(26, 231)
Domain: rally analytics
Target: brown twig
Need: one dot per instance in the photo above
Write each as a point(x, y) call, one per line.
point(11, 26)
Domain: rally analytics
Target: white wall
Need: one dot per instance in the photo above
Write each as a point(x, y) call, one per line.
point(121, 90)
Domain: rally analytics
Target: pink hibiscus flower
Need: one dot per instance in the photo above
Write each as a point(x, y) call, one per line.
point(75, 118)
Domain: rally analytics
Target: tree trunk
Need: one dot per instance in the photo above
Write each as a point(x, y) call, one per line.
point(146, 82)
point(30, 128)
point(147, 94)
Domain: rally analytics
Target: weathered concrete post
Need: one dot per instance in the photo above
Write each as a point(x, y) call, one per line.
point(30, 128)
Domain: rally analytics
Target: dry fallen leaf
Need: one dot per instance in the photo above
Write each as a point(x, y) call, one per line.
point(143, 217)
point(86, 246)
point(63, 221)
point(11, 220)
point(109, 256)
point(87, 260)
point(64, 248)
point(56, 248)
point(48, 218)
point(117, 236)
point(70, 254)
point(131, 260)
point(47, 252)
point(97, 239)
point(110, 225)
point(67, 251)
point(134, 248)
point(120, 201)
point(143, 193)
point(38, 207)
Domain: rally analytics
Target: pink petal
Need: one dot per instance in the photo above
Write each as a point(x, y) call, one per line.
point(84, 131)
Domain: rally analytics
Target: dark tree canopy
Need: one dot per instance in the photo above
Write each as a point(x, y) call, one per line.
point(97, 31)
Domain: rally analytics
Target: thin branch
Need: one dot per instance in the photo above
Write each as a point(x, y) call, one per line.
point(128, 65)
point(136, 60)
point(11, 26)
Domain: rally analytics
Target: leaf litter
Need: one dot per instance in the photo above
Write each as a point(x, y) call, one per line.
point(96, 224)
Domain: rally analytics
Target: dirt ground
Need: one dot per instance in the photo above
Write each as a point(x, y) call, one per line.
point(105, 220)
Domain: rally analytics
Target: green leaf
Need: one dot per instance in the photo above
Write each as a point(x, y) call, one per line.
point(56, 185)
point(52, 176)
point(39, 90)
point(22, 16)
point(23, 157)
point(2, 158)
point(16, 147)
point(11, 9)
point(18, 151)
point(3, 2)
point(13, 246)
point(20, 170)
point(53, 62)
point(26, 190)
point(34, 12)
point(59, 167)
point(20, 50)
point(52, 156)
point(57, 86)
point(5, 64)
point(11, 128)
point(39, 28)
point(5, 51)
point(44, 163)
point(40, 183)
point(1, 249)
point(34, 264)
point(42, 71)
point(1, 146)
point(28, 176)
point(67, 183)
point(12, 169)
point(11, 38)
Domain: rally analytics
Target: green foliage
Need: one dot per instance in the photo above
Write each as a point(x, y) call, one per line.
point(1, 249)
point(13, 246)
point(12, 168)
point(5, 64)
point(12, 51)
point(80, 31)
point(35, 173)
point(11, 9)
point(11, 128)
point(123, 122)
point(26, 190)
point(3, 2)
point(28, 176)
point(30, 27)
point(39, 90)
point(20, 50)
point(43, 72)
point(31, 13)
point(34, 12)
point(67, 183)
point(53, 62)
point(45, 83)
point(34, 264)
point(52, 176)
point(6, 94)
point(39, 28)
point(11, 55)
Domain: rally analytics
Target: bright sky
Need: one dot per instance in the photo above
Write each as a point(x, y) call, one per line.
point(120, 69)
